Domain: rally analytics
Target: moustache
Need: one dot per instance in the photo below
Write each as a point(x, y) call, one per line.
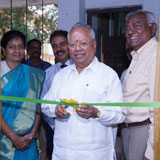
point(36, 52)
point(60, 52)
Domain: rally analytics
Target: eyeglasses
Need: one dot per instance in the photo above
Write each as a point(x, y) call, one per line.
point(81, 44)
point(61, 45)
point(135, 26)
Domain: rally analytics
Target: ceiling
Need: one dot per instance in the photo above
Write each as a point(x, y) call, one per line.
point(22, 3)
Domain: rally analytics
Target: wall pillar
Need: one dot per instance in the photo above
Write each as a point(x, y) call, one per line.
point(70, 12)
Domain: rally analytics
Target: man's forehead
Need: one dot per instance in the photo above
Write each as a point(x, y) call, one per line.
point(141, 17)
point(79, 32)
point(35, 43)
point(59, 39)
point(80, 29)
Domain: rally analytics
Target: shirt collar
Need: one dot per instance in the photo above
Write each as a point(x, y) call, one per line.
point(68, 62)
point(91, 66)
point(140, 52)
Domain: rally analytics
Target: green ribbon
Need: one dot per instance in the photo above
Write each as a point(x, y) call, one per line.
point(128, 104)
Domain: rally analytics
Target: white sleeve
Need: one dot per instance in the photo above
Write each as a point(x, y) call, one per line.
point(49, 120)
point(150, 143)
point(113, 115)
point(44, 88)
point(49, 109)
point(50, 74)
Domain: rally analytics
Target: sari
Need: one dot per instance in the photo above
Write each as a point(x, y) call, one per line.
point(22, 81)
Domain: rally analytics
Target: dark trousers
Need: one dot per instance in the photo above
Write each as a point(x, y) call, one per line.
point(49, 135)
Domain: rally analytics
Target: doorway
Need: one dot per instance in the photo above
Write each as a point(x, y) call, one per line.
point(111, 44)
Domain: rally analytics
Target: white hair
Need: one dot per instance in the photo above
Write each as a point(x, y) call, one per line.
point(149, 15)
point(77, 25)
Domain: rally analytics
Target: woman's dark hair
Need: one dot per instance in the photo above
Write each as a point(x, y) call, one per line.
point(10, 35)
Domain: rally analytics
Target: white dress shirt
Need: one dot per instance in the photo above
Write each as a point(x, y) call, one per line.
point(50, 73)
point(78, 138)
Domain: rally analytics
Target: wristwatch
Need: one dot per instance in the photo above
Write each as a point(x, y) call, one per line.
point(98, 114)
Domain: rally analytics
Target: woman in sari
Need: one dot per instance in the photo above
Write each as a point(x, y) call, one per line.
point(19, 119)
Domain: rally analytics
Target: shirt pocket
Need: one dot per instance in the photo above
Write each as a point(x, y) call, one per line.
point(93, 94)
point(135, 83)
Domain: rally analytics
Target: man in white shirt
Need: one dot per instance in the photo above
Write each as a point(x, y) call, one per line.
point(138, 86)
point(59, 43)
point(87, 132)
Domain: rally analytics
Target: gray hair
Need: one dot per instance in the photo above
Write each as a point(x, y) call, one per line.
point(77, 25)
point(149, 15)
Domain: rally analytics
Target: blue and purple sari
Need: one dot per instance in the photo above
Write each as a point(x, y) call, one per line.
point(22, 81)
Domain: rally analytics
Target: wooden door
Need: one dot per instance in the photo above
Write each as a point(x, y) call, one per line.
point(111, 45)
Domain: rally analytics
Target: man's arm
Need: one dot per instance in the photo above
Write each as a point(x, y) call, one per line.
point(44, 87)
point(87, 112)
point(149, 153)
point(50, 73)
point(106, 115)
point(49, 109)
point(112, 115)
